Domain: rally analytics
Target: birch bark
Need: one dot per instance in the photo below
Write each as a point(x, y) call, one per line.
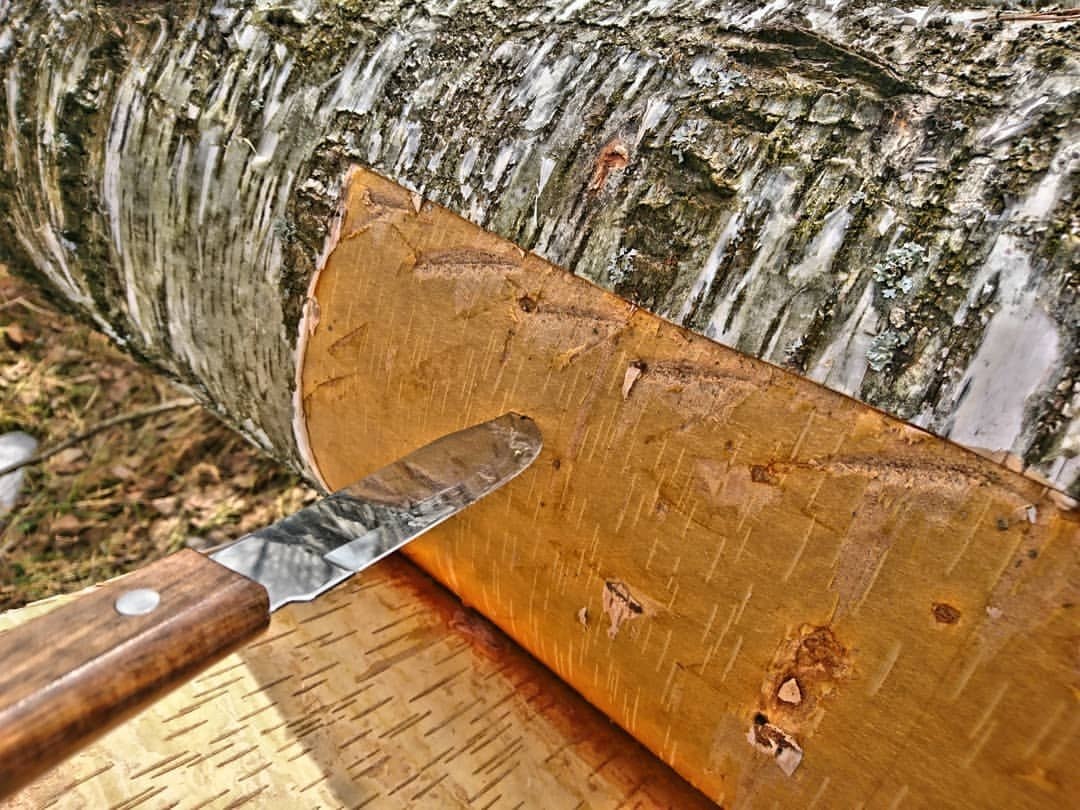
point(880, 197)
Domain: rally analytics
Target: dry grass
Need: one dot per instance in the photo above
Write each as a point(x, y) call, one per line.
point(131, 493)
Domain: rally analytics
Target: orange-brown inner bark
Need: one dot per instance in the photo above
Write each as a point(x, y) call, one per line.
point(713, 551)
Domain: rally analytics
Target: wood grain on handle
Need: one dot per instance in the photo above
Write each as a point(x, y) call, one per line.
point(74, 673)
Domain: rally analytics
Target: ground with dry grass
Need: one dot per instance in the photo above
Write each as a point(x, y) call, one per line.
point(129, 494)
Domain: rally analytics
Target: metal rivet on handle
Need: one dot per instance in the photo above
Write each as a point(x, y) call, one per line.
point(137, 602)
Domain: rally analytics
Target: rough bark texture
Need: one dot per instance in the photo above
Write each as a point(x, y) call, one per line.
point(880, 197)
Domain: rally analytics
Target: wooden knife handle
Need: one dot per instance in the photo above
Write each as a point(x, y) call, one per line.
point(75, 672)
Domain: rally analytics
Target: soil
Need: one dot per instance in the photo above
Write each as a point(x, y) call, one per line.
point(126, 495)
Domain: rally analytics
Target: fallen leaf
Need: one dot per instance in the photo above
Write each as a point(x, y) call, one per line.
point(206, 501)
point(163, 532)
point(67, 524)
point(120, 472)
point(15, 336)
point(66, 461)
point(165, 506)
point(156, 483)
point(119, 391)
point(16, 371)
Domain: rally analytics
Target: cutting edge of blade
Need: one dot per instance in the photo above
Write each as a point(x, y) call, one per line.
point(525, 442)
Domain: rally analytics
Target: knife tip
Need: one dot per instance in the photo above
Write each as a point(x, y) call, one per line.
point(525, 436)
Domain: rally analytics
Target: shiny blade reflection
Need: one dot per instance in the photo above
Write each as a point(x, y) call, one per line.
point(303, 555)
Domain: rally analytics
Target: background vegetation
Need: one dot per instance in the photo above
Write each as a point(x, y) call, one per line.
point(128, 494)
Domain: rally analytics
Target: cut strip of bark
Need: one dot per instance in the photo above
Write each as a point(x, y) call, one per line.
point(734, 502)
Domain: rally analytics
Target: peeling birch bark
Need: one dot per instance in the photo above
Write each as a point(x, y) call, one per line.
point(736, 528)
point(880, 198)
point(408, 724)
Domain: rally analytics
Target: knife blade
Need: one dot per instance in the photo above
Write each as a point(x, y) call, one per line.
point(82, 668)
point(303, 555)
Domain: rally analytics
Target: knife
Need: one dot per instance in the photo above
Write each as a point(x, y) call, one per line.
point(72, 674)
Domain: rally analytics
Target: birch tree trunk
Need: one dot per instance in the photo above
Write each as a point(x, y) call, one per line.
point(253, 197)
point(880, 198)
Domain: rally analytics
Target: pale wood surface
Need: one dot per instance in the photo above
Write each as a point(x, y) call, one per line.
point(384, 693)
point(83, 668)
point(745, 527)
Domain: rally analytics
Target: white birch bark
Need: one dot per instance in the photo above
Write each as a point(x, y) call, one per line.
point(879, 196)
